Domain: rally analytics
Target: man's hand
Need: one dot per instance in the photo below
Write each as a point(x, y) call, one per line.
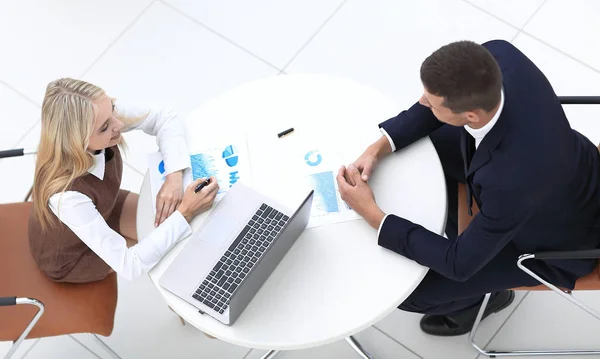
point(368, 160)
point(169, 197)
point(365, 165)
point(359, 195)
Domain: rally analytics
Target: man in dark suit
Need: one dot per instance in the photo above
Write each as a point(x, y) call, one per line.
point(499, 128)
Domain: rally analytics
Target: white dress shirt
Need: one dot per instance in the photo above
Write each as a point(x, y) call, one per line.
point(79, 213)
point(478, 135)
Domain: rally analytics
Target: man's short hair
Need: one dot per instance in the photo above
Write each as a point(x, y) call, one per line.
point(465, 74)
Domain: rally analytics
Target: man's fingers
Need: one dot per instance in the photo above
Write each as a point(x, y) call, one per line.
point(348, 177)
point(366, 173)
point(354, 173)
point(341, 180)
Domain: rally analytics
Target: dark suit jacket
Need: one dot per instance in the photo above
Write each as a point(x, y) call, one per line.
point(535, 180)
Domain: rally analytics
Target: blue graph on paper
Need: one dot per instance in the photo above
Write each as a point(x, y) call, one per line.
point(230, 155)
point(313, 158)
point(203, 166)
point(325, 196)
point(221, 164)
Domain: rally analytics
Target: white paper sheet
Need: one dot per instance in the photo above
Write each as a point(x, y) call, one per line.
point(302, 161)
point(227, 160)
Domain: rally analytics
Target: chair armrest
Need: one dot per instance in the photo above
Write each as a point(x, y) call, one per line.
point(12, 153)
point(579, 100)
point(580, 254)
point(7, 301)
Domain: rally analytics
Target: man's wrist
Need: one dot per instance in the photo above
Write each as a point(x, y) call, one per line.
point(382, 147)
point(374, 217)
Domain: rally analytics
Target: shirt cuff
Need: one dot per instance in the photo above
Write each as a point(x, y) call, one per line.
point(182, 225)
point(381, 226)
point(389, 139)
point(176, 157)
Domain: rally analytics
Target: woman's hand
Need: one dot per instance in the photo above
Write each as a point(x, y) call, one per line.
point(169, 197)
point(196, 203)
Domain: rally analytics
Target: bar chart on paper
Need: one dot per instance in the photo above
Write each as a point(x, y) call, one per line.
point(227, 161)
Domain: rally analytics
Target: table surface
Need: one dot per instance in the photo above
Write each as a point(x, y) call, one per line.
point(335, 281)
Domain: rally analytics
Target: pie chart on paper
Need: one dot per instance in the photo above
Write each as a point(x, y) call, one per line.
point(230, 155)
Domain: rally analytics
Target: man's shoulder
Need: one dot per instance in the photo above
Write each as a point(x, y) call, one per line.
point(500, 46)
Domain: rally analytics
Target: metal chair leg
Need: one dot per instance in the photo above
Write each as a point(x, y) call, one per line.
point(564, 294)
point(106, 347)
point(270, 355)
point(18, 301)
point(358, 348)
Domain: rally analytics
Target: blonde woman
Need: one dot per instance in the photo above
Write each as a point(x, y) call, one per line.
point(81, 220)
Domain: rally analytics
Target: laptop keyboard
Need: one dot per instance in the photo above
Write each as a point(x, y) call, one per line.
point(216, 290)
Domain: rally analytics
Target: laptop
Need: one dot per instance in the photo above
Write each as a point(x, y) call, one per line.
point(228, 259)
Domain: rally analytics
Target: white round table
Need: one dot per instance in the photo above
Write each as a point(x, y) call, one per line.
point(335, 281)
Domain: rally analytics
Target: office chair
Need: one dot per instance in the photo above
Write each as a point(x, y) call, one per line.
point(588, 282)
point(62, 308)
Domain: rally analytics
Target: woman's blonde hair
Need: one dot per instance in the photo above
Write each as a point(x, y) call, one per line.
point(68, 116)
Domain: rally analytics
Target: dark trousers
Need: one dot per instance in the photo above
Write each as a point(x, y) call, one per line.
point(437, 294)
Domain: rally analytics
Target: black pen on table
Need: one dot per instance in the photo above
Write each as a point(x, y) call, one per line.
point(202, 185)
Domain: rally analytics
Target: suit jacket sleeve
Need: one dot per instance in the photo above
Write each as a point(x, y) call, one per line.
point(490, 230)
point(411, 125)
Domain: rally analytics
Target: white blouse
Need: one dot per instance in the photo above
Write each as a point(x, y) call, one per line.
point(79, 213)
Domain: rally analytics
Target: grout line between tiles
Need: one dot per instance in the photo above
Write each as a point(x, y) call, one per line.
point(31, 347)
point(561, 51)
point(528, 20)
point(491, 14)
point(25, 97)
point(83, 345)
point(219, 35)
point(397, 342)
point(534, 13)
point(521, 31)
point(248, 353)
point(26, 134)
point(314, 34)
point(133, 168)
point(504, 323)
point(118, 38)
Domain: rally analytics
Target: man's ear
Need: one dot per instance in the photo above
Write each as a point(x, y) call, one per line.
point(472, 116)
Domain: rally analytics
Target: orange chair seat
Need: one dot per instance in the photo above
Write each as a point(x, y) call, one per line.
point(588, 282)
point(69, 308)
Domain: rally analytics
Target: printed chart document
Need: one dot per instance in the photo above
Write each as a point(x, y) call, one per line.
point(225, 159)
point(303, 160)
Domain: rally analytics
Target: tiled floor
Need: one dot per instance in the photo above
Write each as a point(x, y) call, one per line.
point(180, 53)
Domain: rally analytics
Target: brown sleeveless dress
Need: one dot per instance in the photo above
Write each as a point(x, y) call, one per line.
point(59, 253)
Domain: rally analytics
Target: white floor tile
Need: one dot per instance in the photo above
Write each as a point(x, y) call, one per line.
point(167, 60)
point(568, 77)
point(546, 321)
point(571, 26)
point(404, 327)
point(372, 340)
point(24, 348)
point(383, 43)
point(17, 172)
point(59, 348)
point(273, 30)
point(50, 39)
point(146, 328)
point(17, 115)
point(515, 12)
